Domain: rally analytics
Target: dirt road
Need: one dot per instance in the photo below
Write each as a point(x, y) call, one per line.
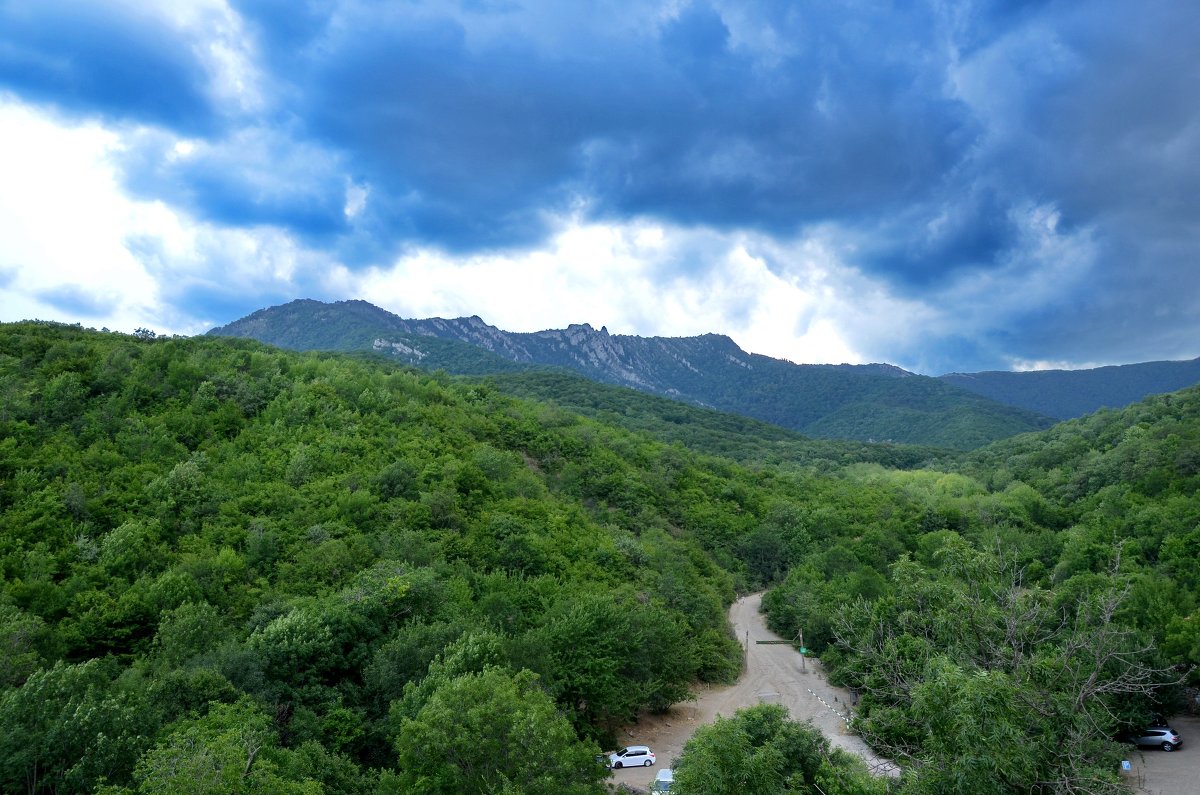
point(773, 674)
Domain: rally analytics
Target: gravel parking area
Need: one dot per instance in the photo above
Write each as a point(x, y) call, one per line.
point(1174, 773)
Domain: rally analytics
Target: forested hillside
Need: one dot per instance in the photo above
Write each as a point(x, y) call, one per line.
point(707, 431)
point(1067, 394)
point(227, 567)
point(298, 571)
point(1050, 588)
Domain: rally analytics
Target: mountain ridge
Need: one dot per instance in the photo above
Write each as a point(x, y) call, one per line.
point(1066, 394)
point(872, 402)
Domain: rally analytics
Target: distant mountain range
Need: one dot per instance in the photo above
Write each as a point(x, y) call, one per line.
point(873, 402)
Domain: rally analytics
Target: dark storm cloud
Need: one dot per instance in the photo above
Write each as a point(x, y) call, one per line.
point(90, 60)
point(1110, 133)
point(470, 123)
point(831, 131)
point(468, 140)
point(458, 150)
point(250, 177)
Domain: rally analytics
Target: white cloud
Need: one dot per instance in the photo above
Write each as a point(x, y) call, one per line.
point(356, 199)
point(792, 301)
point(62, 220)
point(995, 81)
point(75, 248)
point(1029, 365)
point(1047, 267)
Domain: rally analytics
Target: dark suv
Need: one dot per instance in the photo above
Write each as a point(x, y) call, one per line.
point(1163, 737)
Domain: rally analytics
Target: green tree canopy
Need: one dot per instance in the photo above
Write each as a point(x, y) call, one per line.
point(760, 752)
point(494, 732)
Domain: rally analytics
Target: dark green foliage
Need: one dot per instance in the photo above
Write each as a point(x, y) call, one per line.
point(494, 732)
point(231, 749)
point(956, 665)
point(1073, 393)
point(729, 435)
point(69, 727)
point(1123, 486)
point(608, 659)
point(1051, 589)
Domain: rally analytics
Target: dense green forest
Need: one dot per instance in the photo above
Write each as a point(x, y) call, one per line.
point(1047, 589)
point(227, 567)
point(734, 436)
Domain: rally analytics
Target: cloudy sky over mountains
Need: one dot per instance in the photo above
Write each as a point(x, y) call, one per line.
point(941, 185)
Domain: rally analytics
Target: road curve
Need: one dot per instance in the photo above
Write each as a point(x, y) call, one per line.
point(775, 674)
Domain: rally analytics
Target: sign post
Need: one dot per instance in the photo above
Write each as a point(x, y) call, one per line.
point(799, 640)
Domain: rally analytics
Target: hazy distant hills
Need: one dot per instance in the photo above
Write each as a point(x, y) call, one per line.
point(875, 402)
point(1065, 394)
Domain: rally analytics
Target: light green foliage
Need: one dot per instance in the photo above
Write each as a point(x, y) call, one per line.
point(228, 750)
point(977, 731)
point(131, 550)
point(959, 664)
point(724, 761)
point(494, 732)
point(68, 727)
point(20, 636)
point(184, 496)
point(760, 752)
point(607, 659)
point(472, 653)
point(295, 651)
point(186, 632)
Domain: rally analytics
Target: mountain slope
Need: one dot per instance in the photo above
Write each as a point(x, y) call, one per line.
point(874, 402)
point(1150, 448)
point(1065, 394)
point(704, 430)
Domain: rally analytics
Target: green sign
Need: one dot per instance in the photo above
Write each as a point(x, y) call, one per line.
point(803, 650)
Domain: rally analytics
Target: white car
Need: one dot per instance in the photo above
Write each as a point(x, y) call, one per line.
point(631, 756)
point(663, 781)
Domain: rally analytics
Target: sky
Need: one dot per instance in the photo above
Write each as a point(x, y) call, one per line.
point(947, 185)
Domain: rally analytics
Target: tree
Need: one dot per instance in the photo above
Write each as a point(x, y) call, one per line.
point(760, 752)
point(721, 760)
point(494, 732)
point(228, 750)
point(71, 726)
point(608, 659)
point(20, 633)
point(959, 663)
